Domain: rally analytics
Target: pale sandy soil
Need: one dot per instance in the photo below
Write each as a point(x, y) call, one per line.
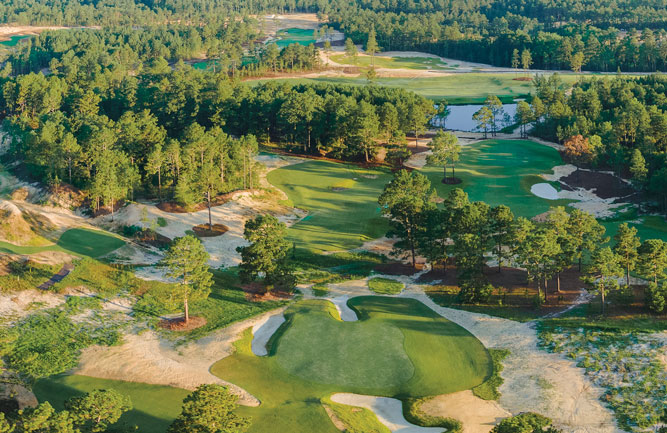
point(7, 31)
point(233, 214)
point(263, 330)
point(388, 410)
point(15, 306)
point(484, 414)
point(586, 200)
point(149, 359)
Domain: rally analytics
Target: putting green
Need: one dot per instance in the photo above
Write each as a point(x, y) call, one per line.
point(314, 354)
point(341, 200)
point(78, 241)
point(295, 36)
point(154, 406)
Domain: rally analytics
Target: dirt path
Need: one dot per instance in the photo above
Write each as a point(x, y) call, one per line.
point(64, 271)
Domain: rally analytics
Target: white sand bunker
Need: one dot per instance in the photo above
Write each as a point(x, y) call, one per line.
point(544, 190)
point(388, 410)
point(346, 313)
point(262, 332)
point(148, 359)
point(476, 415)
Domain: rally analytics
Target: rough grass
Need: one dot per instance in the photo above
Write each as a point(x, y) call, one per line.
point(154, 406)
point(385, 286)
point(489, 389)
point(338, 220)
point(292, 402)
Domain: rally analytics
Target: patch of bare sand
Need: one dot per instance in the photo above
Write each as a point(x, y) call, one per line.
point(477, 415)
point(17, 305)
point(383, 246)
point(147, 358)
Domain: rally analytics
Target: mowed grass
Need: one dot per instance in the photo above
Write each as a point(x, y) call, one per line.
point(341, 200)
point(502, 172)
point(154, 406)
point(314, 354)
point(385, 286)
point(78, 241)
point(392, 62)
point(457, 88)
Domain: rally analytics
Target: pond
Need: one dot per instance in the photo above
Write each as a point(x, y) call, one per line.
point(460, 117)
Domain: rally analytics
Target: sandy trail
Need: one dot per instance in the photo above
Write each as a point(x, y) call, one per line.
point(6, 31)
point(388, 410)
point(149, 359)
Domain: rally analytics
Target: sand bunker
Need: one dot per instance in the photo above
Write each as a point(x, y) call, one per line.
point(262, 332)
point(15, 306)
point(149, 359)
point(388, 410)
point(545, 190)
point(477, 415)
point(346, 313)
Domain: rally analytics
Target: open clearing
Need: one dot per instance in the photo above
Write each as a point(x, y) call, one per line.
point(315, 354)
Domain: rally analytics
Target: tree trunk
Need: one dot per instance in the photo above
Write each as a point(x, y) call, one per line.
point(444, 169)
point(627, 275)
point(546, 289)
point(602, 290)
point(69, 167)
point(208, 198)
point(186, 308)
point(159, 184)
point(111, 210)
point(453, 173)
point(499, 259)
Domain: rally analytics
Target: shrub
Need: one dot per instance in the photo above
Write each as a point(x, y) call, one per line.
point(413, 414)
point(161, 222)
point(655, 297)
point(528, 422)
point(475, 291)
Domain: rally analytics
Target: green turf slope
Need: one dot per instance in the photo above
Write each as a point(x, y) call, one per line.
point(399, 348)
point(78, 241)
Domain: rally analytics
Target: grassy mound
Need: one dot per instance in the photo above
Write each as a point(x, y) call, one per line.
point(385, 286)
point(78, 241)
point(312, 356)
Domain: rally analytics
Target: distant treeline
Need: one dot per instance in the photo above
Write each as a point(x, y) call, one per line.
point(602, 35)
point(228, 46)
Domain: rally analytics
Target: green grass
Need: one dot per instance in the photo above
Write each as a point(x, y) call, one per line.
point(338, 219)
point(489, 389)
point(314, 354)
point(78, 241)
point(393, 62)
point(13, 40)
point(463, 88)
point(502, 172)
point(385, 286)
point(154, 406)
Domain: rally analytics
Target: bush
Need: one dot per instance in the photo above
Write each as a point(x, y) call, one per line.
point(77, 304)
point(528, 422)
point(161, 222)
point(131, 231)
